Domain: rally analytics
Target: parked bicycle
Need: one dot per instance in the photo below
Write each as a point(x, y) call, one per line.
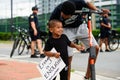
point(20, 41)
point(113, 40)
point(23, 40)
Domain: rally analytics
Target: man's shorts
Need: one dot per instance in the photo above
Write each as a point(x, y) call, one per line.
point(104, 34)
point(34, 38)
point(80, 33)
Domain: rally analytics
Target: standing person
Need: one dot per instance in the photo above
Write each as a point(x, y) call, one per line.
point(105, 27)
point(59, 41)
point(65, 12)
point(35, 33)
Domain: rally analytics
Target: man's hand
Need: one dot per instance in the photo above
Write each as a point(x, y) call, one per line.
point(35, 32)
point(106, 10)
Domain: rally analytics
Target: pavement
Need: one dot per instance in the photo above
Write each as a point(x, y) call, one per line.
point(16, 69)
point(12, 69)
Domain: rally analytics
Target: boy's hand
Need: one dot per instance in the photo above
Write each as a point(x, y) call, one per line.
point(78, 47)
point(57, 55)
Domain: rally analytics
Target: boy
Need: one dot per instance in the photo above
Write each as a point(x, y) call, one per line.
point(60, 42)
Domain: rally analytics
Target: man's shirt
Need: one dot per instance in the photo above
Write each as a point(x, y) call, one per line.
point(33, 18)
point(75, 20)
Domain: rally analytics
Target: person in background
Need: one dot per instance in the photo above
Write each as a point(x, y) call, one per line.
point(105, 27)
point(59, 41)
point(71, 22)
point(35, 34)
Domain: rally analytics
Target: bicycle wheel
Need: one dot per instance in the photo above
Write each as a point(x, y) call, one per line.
point(113, 43)
point(15, 44)
point(21, 47)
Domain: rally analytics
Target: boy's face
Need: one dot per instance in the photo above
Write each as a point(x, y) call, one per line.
point(57, 30)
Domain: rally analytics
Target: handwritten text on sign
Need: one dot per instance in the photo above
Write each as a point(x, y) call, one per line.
point(50, 67)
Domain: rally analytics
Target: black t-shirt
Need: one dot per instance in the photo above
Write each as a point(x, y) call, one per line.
point(75, 20)
point(33, 18)
point(60, 45)
point(105, 21)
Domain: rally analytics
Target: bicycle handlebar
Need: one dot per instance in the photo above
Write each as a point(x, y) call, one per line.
point(19, 29)
point(90, 11)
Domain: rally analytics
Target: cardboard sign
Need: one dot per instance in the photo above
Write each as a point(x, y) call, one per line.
point(50, 67)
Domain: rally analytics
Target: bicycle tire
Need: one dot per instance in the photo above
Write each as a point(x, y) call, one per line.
point(15, 44)
point(113, 43)
point(21, 47)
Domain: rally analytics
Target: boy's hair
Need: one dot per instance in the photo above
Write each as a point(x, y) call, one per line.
point(52, 23)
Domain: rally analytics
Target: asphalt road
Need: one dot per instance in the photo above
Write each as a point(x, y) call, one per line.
point(107, 64)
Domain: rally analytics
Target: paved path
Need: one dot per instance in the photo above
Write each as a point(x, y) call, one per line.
point(25, 68)
point(17, 70)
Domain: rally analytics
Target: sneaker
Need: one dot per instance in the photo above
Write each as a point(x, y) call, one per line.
point(101, 50)
point(34, 56)
point(107, 50)
point(42, 55)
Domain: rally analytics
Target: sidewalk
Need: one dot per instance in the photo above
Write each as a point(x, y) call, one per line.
point(11, 69)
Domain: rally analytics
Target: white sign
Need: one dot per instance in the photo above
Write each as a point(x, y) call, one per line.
point(50, 67)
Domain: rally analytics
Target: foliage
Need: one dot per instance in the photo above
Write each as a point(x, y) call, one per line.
point(7, 35)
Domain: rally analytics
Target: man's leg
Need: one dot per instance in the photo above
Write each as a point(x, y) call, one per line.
point(106, 45)
point(69, 67)
point(32, 47)
point(39, 45)
point(71, 35)
point(88, 73)
point(33, 43)
point(85, 41)
point(100, 44)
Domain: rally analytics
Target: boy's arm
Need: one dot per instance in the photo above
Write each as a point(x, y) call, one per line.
point(78, 47)
point(51, 54)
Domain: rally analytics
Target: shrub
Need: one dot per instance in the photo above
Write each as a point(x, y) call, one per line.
point(95, 33)
point(5, 36)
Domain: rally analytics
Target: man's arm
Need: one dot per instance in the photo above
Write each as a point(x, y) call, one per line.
point(91, 6)
point(34, 28)
point(108, 26)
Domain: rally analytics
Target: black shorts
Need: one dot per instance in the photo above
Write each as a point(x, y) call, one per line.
point(34, 38)
point(104, 34)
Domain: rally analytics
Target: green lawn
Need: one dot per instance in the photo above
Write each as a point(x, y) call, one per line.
point(6, 42)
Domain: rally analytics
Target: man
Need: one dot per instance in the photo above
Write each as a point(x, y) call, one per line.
point(105, 27)
point(35, 33)
point(65, 12)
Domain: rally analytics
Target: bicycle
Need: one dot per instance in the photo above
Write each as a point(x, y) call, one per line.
point(20, 41)
point(113, 40)
point(23, 40)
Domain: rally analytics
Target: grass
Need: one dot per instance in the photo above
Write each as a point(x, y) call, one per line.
point(6, 42)
point(72, 70)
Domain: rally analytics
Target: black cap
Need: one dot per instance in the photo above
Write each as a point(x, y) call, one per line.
point(68, 8)
point(34, 8)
